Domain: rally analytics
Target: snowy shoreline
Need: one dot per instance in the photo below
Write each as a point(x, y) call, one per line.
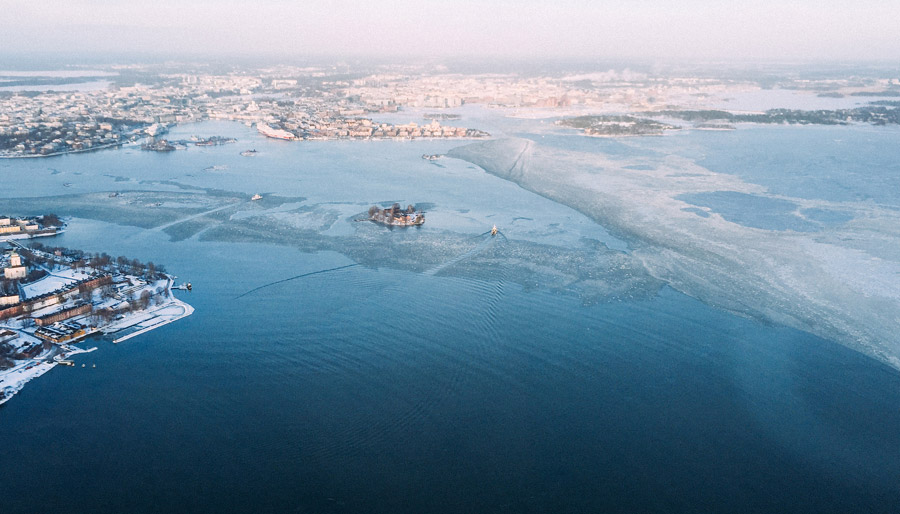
point(14, 379)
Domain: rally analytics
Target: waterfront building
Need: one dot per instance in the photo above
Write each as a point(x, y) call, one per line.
point(60, 332)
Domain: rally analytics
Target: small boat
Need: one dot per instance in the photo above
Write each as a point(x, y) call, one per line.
point(256, 197)
point(494, 230)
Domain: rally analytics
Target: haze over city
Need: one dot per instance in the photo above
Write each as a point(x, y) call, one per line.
point(643, 29)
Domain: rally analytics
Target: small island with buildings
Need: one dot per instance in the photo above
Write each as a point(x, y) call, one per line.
point(616, 126)
point(394, 216)
point(27, 228)
point(52, 298)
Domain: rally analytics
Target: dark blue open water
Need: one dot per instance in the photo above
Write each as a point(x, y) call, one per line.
point(381, 390)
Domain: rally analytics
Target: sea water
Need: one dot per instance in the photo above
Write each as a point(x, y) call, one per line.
point(383, 389)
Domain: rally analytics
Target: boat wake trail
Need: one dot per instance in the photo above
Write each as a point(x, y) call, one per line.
point(319, 272)
point(487, 242)
point(484, 302)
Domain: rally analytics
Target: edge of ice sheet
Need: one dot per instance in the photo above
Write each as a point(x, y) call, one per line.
point(830, 283)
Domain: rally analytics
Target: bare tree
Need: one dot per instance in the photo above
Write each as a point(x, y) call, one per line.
point(107, 291)
point(144, 300)
point(50, 220)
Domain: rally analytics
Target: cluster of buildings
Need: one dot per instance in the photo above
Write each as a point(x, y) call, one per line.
point(16, 225)
point(387, 92)
point(362, 128)
point(598, 92)
point(327, 102)
point(58, 307)
point(18, 228)
point(60, 332)
point(60, 301)
point(50, 310)
point(54, 123)
point(51, 123)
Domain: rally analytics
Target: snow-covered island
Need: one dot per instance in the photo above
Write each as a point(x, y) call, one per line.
point(52, 298)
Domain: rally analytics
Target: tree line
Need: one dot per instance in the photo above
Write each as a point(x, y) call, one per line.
point(78, 259)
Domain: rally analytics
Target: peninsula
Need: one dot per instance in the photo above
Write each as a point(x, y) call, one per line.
point(52, 298)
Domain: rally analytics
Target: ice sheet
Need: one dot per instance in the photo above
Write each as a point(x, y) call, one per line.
point(841, 282)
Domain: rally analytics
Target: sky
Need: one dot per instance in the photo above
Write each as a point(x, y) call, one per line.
point(645, 29)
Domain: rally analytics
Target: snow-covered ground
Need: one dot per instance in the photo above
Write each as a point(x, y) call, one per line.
point(14, 379)
point(13, 237)
point(157, 317)
point(55, 281)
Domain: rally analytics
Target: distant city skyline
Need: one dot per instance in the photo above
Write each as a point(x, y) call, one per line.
point(644, 29)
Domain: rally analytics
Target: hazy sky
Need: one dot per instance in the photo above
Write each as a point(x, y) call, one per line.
point(702, 29)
